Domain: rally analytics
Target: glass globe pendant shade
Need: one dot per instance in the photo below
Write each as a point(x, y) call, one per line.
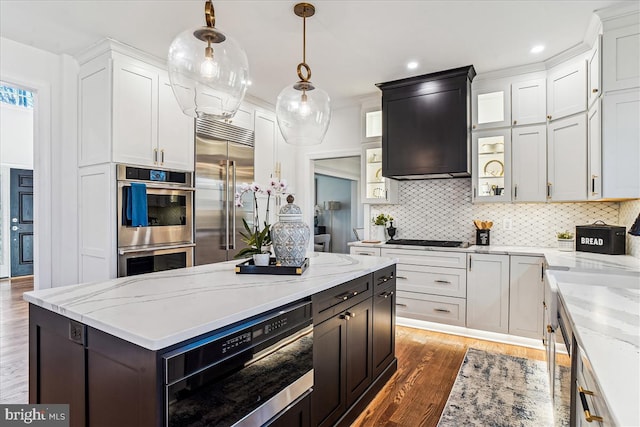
point(303, 115)
point(209, 73)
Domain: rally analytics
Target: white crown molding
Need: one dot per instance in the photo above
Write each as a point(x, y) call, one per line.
point(110, 45)
point(619, 10)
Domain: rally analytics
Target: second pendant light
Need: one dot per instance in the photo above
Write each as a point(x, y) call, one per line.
point(303, 110)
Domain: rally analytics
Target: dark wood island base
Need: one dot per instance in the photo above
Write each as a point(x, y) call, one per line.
point(109, 381)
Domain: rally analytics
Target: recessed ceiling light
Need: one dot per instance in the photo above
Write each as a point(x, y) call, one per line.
point(412, 65)
point(537, 49)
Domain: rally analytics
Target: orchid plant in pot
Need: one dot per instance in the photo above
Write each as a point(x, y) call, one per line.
point(257, 237)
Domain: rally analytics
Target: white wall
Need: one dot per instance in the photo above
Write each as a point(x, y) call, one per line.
point(53, 79)
point(342, 140)
point(16, 151)
point(16, 136)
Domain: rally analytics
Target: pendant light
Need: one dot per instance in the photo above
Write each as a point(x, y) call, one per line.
point(303, 110)
point(208, 70)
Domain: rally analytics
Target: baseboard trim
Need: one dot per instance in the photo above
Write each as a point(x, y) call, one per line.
point(471, 333)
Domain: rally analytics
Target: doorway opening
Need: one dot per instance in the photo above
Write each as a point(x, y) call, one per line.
point(338, 208)
point(16, 181)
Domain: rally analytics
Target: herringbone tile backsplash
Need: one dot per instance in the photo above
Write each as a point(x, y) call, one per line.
point(441, 209)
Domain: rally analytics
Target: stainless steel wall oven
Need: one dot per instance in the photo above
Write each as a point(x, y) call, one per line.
point(166, 241)
point(245, 375)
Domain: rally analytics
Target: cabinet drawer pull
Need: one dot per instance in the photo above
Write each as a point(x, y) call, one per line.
point(363, 253)
point(349, 314)
point(162, 156)
point(593, 184)
point(345, 316)
point(548, 190)
point(400, 305)
point(549, 117)
point(444, 282)
point(587, 414)
point(441, 310)
point(515, 191)
point(515, 122)
point(401, 277)
point(384, 279)
point(344, 296)
point(155, 155)
point(549, 329)
point(594, 90)
point(386, 294)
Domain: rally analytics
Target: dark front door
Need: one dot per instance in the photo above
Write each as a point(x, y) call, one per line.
point(21, 207)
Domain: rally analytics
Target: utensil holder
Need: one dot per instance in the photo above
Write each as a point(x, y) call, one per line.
point(482, 237)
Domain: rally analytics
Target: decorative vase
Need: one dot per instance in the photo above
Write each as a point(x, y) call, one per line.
point(565, 244)
point(290, 236)
point(261, 259)
point(378, 233)
point(391, 230)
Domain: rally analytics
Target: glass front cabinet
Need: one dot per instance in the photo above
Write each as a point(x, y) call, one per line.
point(376, 189)
point(491, 165)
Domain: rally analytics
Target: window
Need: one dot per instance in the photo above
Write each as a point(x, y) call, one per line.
point(15, 96)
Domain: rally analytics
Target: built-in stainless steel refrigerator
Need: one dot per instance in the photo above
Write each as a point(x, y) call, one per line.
point(224, 160)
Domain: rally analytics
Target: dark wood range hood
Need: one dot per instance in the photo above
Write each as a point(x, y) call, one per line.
point(426, 125)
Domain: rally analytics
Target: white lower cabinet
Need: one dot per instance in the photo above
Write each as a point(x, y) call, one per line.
point(363, 250)
point(432, 308)
point(488, 292)
point(526, 293)
point(431, 285)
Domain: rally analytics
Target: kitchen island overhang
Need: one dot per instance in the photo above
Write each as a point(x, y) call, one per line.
point(116, 332)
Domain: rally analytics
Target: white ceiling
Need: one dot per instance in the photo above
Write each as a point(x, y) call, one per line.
point(351, 45)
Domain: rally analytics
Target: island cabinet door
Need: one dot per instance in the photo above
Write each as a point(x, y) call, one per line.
point(122, 383)
point(359, 369)
point(384, 320)
point(56, 362)
point(329, 400)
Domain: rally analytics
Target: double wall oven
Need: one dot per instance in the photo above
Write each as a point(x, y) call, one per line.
point(166, 242)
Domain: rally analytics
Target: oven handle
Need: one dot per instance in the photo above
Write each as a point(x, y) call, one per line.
point(159, 186)
point(155, 248)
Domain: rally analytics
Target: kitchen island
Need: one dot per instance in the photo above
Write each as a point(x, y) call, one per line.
point(99, 346)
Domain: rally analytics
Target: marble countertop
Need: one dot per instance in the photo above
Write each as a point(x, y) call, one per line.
point(160, 309)
point(604, 310)
point(556, 259)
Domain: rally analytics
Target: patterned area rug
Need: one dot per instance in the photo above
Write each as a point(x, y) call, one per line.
point(498, 390)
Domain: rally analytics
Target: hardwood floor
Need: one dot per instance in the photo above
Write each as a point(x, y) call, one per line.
point(428, 364)
point(14, 340)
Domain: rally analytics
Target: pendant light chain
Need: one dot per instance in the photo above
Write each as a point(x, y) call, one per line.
point(304, 39)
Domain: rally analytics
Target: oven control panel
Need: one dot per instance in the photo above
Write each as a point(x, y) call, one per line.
point(187, 360)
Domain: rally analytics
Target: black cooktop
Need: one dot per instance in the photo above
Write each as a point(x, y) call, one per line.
point(439, 243)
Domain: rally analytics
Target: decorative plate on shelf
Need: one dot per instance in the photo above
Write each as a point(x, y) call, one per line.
point(379, 174)
point(494, 168)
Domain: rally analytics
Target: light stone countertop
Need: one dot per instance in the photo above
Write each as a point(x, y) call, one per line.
point(604, 311)
point(161, 309)
point(556, 259)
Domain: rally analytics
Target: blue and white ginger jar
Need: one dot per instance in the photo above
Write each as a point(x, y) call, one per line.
point(290, 236)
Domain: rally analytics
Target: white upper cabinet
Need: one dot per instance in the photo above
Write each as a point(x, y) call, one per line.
point(135, 114)
point(376, 189)
point(175, 130)
point(491, 165)
point(594, 76)
point(566, 90)
point(529, 163)
point(528, 102)
point(621, 58)
point(567, 159)
point(491, 104)
point(621, 144)
point(128, 114)
point(594, 153)
point(372, 124)
point(243, 117)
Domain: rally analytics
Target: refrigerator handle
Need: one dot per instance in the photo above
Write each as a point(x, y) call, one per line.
point(233, 234)
point(226, 205)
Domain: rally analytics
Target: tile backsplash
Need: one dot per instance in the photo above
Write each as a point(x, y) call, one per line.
point(441, 209)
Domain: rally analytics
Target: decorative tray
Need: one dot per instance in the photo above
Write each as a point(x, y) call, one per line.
point(248, 267)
